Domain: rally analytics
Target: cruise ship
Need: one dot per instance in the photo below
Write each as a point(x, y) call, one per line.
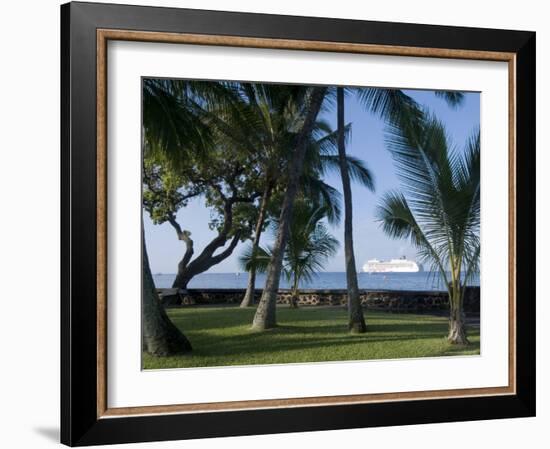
point(401, 265)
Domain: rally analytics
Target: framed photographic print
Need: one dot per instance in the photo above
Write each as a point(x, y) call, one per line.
point(281, 224)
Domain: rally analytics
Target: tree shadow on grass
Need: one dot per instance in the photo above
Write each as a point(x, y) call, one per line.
point(258, 343)
point(222, 337)
point(250, 349)
point(310, 352)
point(219, 318)
point(318, 330)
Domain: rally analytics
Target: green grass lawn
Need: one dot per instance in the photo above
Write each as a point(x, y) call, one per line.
point(222, 336)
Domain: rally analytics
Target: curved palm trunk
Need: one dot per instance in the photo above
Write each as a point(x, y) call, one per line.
point(356, 321)
point(248, 299)
point(265, 317)
point(160, 336)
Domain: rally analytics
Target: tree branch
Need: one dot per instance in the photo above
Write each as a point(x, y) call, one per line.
point(185, 237)
point(189, 251)
point(172, 220)
point(227, 252)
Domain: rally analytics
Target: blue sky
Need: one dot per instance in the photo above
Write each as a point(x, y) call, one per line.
point(367, 143)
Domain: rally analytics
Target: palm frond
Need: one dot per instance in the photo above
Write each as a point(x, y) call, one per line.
point(392, 105)
point(323, 194)
point(442, 203)
point(453, 98)
point(357, 169)
point(398, 221)
point(309, 244)
point(258, 260)
point(171, 128)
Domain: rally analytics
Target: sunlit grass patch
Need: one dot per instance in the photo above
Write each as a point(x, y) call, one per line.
point(222, 336)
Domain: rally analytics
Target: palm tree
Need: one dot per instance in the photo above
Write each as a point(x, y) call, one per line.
point(279, 124)
point(273, 119)
point(248, 299)
point(265, 314)
point(390, 105)
point(309, 246)
point(440, 212)
point(356, 320)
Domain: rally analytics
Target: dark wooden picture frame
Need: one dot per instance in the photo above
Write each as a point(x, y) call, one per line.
point(86, 28)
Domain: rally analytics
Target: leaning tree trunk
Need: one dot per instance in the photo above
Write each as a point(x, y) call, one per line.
point(248, 299)
point(457, 327)
point(182, 278)
point(160, 336)
point(265, 317)
point(180, 282)
point(356, 321)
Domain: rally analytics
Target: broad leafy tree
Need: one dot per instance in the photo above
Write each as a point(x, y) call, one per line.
point(225, 190)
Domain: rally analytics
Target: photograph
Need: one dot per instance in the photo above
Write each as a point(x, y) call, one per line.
point(291, 223)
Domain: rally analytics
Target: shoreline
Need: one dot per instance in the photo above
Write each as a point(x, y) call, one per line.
point(421, 282)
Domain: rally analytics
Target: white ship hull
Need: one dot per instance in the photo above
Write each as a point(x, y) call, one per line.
point(392, 266)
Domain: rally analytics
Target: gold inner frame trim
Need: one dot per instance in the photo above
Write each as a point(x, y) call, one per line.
point(104, 35)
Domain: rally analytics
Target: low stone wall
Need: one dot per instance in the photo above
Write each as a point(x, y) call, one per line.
point(388, 300)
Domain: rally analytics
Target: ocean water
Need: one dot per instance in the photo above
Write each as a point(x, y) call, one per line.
point(425, 281)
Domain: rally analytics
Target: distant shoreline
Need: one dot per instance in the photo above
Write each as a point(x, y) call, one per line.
point(421, 281)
